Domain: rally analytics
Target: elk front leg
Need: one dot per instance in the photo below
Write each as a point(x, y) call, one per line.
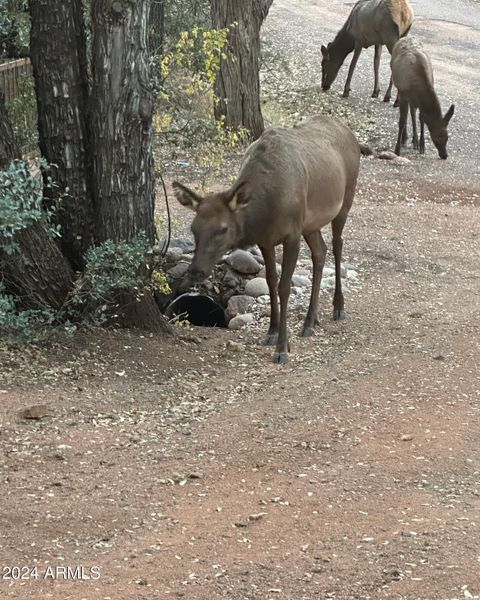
point(353, 64)
point(388, 93)
point(272, 282)
point(318, 248)
point(402, 123)
point(290, 255)
point(376, 66)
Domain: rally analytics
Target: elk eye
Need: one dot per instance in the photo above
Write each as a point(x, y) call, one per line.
point(223, 228)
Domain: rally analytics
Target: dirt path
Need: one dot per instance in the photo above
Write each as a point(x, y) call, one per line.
point(202, 472)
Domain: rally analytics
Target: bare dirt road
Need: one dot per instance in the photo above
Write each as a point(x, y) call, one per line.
point(203, 471)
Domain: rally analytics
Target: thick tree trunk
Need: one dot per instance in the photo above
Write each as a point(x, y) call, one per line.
point(58, 52)
point(156, 28)
point(122, 106)
point(238, 85)
point(37, 273)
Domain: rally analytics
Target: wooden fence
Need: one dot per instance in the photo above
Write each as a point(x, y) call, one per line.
point(10, 73)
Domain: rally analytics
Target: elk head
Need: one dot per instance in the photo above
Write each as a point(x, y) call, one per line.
point(330, 67)
point(217, 226)
point(439, 133)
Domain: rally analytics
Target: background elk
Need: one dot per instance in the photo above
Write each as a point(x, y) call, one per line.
point(371, 23)
point(413, 75)
point(292, 182)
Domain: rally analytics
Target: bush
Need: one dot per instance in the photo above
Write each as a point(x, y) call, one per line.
point(14, 30)
point(21, 203)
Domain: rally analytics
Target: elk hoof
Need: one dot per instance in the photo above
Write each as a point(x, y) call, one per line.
point(338, 314)
point(375, 93)
point(280, 358)
point(396, 104)
point(307, 331)
point(271, 339)
point(346, 93)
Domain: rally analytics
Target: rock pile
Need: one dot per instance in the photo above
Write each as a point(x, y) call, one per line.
point(238, 282)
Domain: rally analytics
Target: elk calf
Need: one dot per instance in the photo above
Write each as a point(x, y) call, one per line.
point(371, 23)
point(413, 75)
point(292, 182)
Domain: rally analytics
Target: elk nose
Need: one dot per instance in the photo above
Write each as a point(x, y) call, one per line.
point(197, 274)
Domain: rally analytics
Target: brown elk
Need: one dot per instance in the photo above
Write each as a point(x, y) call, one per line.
point(413, 75)
point(371, 23)
point(292, 182)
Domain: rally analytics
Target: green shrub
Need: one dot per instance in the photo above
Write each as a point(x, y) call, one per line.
point(21, 203)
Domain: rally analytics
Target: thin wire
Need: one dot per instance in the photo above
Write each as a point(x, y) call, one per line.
point(166, 244)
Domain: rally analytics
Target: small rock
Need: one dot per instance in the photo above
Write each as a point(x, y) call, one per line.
point(301, 280)
point(256, 287)
point(327, 283)
point(179, 270)
point(243, 262)
point(402, 160)
point(185, 244)
point(235, 346)
point(328, 272)
point(366, 150)
point(232, 279)
point(297, 291)
point(387, 155)
point(238, 305)
point(241, 321)
point(406, 437)
point(351, 274)
point(265, 299)
point(36, 412)
point(173, 254)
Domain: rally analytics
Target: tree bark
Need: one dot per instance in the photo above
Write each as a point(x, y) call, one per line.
point(37, 273)
point(58, 52)
point(238, 84)
point(122, 106)
point(156, 28)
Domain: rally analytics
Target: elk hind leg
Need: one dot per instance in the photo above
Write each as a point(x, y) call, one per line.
point(337, 242)
point(318, 248)
point(353, 64)
point(290, 255)
point(413, 115)
point(376, 66)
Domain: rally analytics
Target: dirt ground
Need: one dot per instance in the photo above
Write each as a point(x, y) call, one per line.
point(196, 469)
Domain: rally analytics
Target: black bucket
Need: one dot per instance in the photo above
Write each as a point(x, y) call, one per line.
point(198, 309)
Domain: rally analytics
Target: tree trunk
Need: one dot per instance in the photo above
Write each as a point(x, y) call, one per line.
point(58, 51)
point(238, 84)
point(156, 28)
point(37, 273)
point(122, 106)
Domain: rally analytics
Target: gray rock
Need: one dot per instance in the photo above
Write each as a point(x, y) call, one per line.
point(328, 283)
point(328, 272)
point(238, 305)
point(178, 270)
point(174, 254)
point(232, 279)
point(301, 280)
point(265, 299)
point(187, 245)
point(351, 274)
point(241, 321)
point(387, 155)
point(243, 262)
point(297, 291)
point(256, 287)
point(255, 250)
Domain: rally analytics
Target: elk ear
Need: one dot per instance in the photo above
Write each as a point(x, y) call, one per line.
point(324, 51)
point(238, 197)
point(449, 115)
point(185, 196)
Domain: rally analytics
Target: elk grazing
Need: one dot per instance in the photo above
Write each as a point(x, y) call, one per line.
point(371, 23)
point(292, 182)
point(413, 75)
